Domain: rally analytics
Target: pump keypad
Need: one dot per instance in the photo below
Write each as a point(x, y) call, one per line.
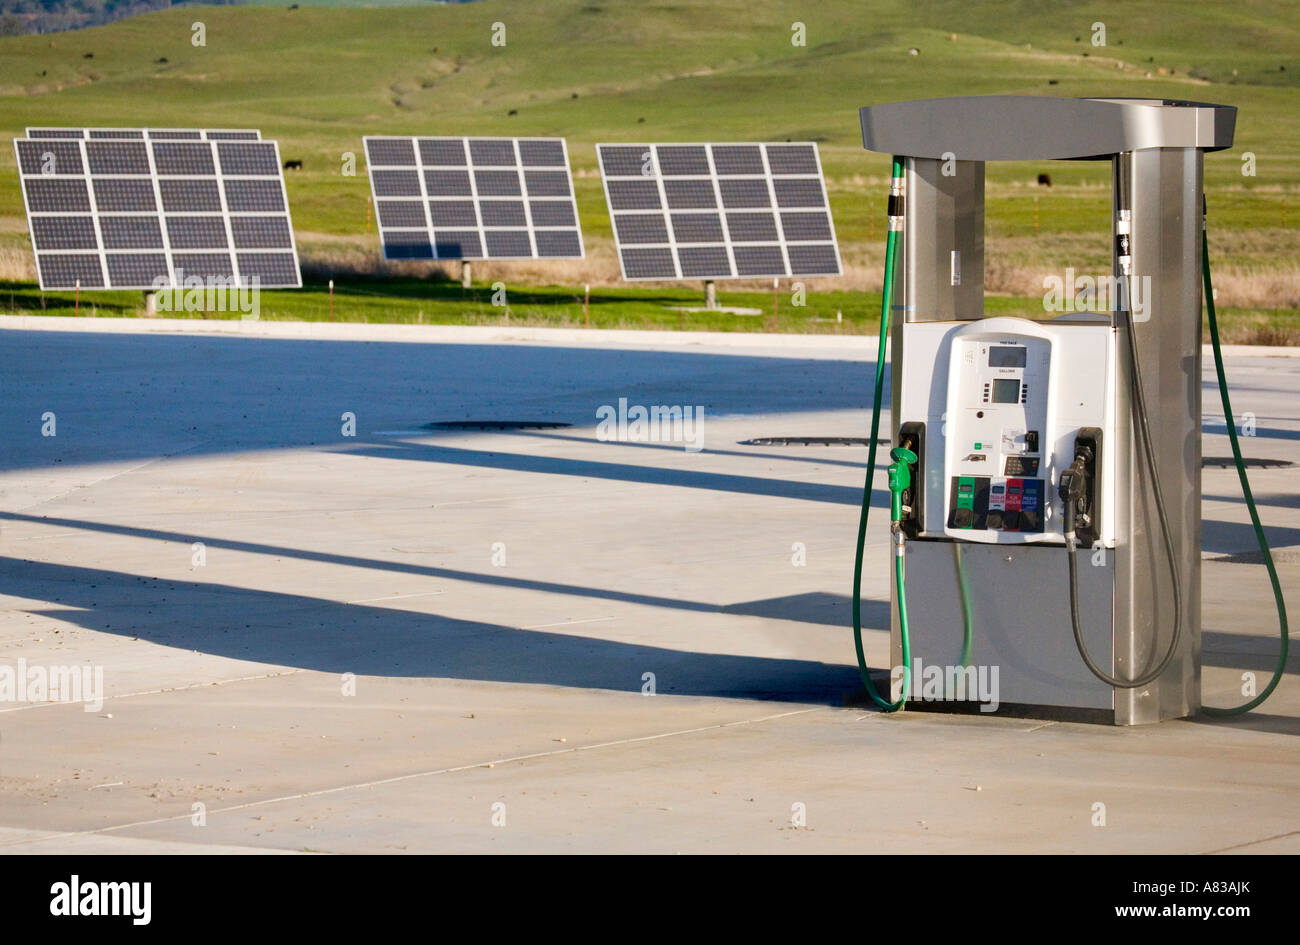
point(1021, 466)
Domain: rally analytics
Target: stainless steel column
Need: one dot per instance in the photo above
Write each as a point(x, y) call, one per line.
point(1162, 186)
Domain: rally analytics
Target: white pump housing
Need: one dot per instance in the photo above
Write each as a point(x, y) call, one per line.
point(1003, 400)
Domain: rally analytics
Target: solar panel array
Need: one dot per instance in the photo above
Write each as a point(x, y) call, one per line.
point(718, 211)
point(474, 198)
point(124, 208)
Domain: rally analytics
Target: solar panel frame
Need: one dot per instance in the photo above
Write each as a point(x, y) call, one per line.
point(506, 183)
point(798, 162)
point(219, 216)
point(151, 134)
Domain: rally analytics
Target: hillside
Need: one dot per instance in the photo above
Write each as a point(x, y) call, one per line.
point(18, 17)
point(319, 77)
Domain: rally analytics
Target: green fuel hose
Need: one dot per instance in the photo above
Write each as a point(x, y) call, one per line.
point(1264, 550)
point(968, 623)
point(891, 250)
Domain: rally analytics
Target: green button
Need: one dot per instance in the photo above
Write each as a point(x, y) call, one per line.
point(979, 446)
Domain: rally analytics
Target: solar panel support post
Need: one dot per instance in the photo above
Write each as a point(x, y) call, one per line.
point(466, 275)
point(710, 295)
point(150, 304)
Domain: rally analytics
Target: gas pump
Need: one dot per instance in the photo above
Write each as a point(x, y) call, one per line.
point(1046, 484)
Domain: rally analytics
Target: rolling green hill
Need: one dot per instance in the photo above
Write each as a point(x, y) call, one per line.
point(319, 77)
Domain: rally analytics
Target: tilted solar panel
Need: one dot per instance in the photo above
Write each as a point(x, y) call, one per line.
point(718, 211)
point(474, 198)
point(153, 208)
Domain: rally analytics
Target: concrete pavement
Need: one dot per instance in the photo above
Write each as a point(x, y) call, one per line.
point(367, 635)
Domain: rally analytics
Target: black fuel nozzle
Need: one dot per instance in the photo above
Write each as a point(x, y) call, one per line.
point(1074, 480)
point(1073, 489)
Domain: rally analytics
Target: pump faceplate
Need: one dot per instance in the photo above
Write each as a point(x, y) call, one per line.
point(1006, 397)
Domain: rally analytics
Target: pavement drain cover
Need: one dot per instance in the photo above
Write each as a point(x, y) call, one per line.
point(497, 425)
point(812, 441)
point(1227, 462)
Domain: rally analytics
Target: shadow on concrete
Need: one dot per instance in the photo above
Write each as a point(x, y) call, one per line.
point(1261, 433)
point(135, 397)
point(831, 610)
point(1226, 650)
point(1275, 499)
point(335, 637)
point(1254, 721)
point(820, 455)
point(811, 608)
point(1233, 538)
point(615, 472)
point(827, 609)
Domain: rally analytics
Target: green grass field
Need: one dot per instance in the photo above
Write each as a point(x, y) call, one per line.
point(319, 77)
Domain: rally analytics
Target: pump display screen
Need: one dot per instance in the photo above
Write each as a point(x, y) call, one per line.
point(1006, 390)
point(1006, 356)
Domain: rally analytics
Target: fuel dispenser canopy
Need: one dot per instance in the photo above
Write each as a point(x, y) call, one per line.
point(1032, 128)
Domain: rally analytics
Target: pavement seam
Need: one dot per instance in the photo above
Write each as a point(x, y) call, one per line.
point(111, 476)
point(1251, 843)
point(165, 689)
point(418, 774)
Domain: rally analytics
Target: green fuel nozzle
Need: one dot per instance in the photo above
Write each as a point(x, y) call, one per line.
point(900, 479)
